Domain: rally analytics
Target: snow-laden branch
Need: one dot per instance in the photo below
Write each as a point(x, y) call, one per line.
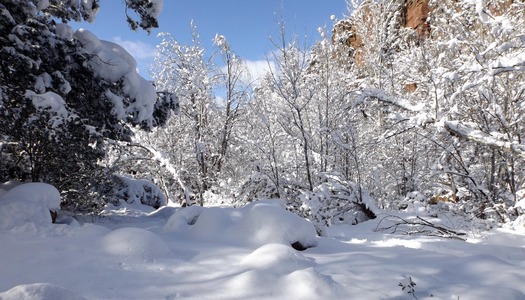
point(159, 157)
point(461, 130)
point(114, 64)
point(382, 96)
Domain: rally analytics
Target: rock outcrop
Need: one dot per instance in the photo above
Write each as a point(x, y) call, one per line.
point(416, 15)
point(345, 33)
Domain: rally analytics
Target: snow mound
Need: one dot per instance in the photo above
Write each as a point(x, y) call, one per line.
point(257, 224)
point(252, 284)
point(309, 284)
point(276, 258)
point(214, 223)
point(40, 291)
point(135, 244)
point(28, 204)
point(301, 284)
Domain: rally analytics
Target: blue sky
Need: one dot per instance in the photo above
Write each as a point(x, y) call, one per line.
point(247, 24)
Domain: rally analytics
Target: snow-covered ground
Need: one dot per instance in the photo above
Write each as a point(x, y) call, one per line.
point(245, 253)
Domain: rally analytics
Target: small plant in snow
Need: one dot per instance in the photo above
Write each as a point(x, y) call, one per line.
point(408, 285)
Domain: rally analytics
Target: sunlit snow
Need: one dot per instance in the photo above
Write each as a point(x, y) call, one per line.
point(240, 253)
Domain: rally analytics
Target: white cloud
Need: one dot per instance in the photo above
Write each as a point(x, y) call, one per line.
point(255, 70)
point(258, 69)
point(138, 49)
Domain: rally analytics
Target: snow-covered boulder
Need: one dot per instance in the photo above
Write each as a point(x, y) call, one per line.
point(265, 222)
point(40, 291)
point(28, 203)
point(256, 224)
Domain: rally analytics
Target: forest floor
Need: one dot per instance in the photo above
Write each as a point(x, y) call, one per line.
point(245, 253)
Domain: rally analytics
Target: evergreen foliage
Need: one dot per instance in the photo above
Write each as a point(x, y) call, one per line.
point(57, 110)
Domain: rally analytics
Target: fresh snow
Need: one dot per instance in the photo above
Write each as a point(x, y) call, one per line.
point(242, 253)
point(53, 103)
point(113, 63)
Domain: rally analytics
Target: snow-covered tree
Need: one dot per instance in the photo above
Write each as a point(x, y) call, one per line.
point(61, 99)
point(476, 59)
point(462, 141)
point(212, 96)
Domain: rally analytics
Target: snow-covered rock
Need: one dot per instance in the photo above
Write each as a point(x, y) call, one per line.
point(28, 204)
point(257, 224)
point(266, 222)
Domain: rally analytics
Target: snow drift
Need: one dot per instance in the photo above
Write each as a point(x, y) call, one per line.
point(40, 291)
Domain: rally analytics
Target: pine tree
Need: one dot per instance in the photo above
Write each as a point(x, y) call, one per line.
point(57, 106)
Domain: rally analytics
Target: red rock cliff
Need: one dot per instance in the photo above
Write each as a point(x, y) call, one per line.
point(416, 12)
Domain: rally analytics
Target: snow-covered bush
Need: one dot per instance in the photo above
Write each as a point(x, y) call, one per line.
point(257, 186)
point(142, 191)
point(334, 201)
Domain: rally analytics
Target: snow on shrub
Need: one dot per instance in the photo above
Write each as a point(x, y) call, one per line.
point(135, 191)
point(40, 291)
point(256, 224)
point(334, 200)
point(135, 244)
point(28, 203)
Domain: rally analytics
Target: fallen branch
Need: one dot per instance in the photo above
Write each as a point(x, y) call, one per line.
point(418, 226)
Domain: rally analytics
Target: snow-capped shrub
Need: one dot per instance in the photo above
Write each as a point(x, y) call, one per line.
point(334, 200)
point(140, 191)
point(257, 186)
